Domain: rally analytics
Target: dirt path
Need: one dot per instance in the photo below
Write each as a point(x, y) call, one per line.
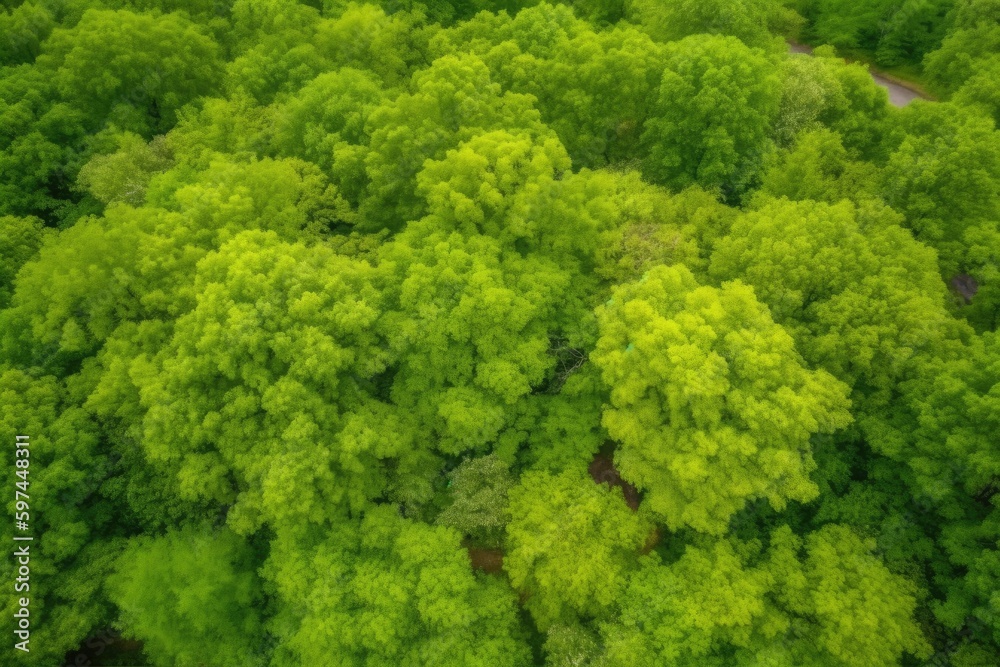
point(899, 93)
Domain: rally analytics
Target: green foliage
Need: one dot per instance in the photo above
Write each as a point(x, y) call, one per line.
point(752, 21)
point(658, 228)
point(962, 53)
point(399, 592)
point(570, 646)
point(676, 614)
point(821, 92)
point(70, 518)
point(947, 435)
point(277, 329)
point(833, 605)
point(122, 176)
point(853, 288)
point(149, 65)
point(479, 506)
point(709, 399)
point(463, 364)
point(498, 333)
point(138, 264)
point(20, 239)
point(981, 89)
point(894, 31)
point(190, 596)
point(451, 101)
point(570, 545)
point(24, 28)
point(326, 117)
point(818, 168)
point(712, 123)
point(863, 611)
point(942, 177)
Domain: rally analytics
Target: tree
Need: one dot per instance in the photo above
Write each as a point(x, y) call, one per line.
point(818, 167)
point(191, 596)
point(37, 137)
point(863, 612)
point(754, 22)
point(834, 604)
point(570, 545)
point(594, 89)
point(452, 100)
point(894, 31)
point(280, 345)
point(571, 646)
point(66, 508)
point(137, 265)
point(325, 114)
point(685, 612)
point(958, 59)
point(822, 90)
point(519, 191)
point(467, 327)
point(712, 124)
point(392, 45)
point(710, 401)
point(278, 65)
point(20, 239)
point(143, 87)
point(973, 547)
point(122, 176)
point(507, 230)
point(398, 591)
point(859, 295)
point(24, 28)
point(914, 29)
point(658, 228)
point(57, 112)
point(981, 89)
point(309, 306)
point(945, 432)
point(479, 507)
point(941, 202)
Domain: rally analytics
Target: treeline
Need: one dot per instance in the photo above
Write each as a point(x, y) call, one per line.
point(303, 304)
point(952, 45)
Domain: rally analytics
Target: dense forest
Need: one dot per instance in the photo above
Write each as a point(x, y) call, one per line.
point(607, 333)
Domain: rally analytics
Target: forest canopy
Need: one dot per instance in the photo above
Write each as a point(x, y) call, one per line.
point(596, 333)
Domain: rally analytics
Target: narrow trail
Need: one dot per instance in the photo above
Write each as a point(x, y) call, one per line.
point(899, 93)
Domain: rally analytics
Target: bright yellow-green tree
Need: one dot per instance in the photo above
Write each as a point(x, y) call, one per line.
point(711, 403)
